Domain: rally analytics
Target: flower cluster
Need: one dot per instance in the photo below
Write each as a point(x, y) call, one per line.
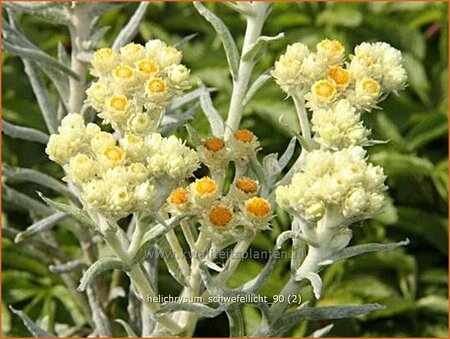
point(374, 70)
point(221, 215)
point(341, 182)
point(135, 85)
point(336, 179)
point(116, 178)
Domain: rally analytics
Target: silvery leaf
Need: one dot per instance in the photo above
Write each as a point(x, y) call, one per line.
point(213, 116)
point(360, 249)
point(67, 267)
point(127, 328)
point(321, 332)
point(288, 153)
point(49, 10)
point(24, 201)
point(316, 283)
point(34, 329)
point(101, 321)
point(41, 226)
point(185, 40)
point(131, 28)
point(235, 322)
point(188, 97)
point(255, 86)
point(172, 122)
point(229, 45)
point(171, 262)
point(257, 49)
point(24, 133)
point(98, 267)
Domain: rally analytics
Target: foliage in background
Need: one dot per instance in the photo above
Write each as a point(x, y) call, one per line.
point(411, 281)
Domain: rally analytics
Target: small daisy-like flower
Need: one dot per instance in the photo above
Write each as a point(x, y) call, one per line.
point(100, 141)
point(137, 172)
point(204, 191)
point(147, 67)
point(103, 61)
point(220, 217)
point(323, 90)
point(243, 143)
point(80, 168)
point(367, 92)
point(213, 153)
point(140, 124)
point(96, 95)
point(179, 199)
point(131, 53)
point(112, 156)
point(258, 209)
point(339, 75)
point(155, 85)
point(134, 147)
point(331, 50)
point(243, 189)
point(124, 78)
point(118, 110)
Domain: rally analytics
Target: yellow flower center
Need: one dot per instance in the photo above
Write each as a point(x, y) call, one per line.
point(119, 102)
point(220, 216)
point(214, 144)
point(147, 66)
point(205, 186)
point(122, 195)
point(258, 207)
point(324, 89)
point(114, 153)
point(247, 185)
point(244, 135)
point(124, 72)
point(340, 75)
point(179, 196)
point(156, 85)
point(371, 86)
point(137, 168)
point(134, 139)
point(81, 159)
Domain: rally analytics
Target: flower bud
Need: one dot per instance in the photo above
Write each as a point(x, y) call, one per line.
point(131, 53)
point(104, 61)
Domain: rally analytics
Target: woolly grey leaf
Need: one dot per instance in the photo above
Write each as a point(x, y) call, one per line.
point(293, 235)
point(131, 28)
point(185, 40)
point(24, 133)
point(73, 211)
point(360, 249)
point(193, 135)
point(37, 177)
point(101, 321)
point(41, 226)
point(127, 328)
point(172, 122)
point(51, 11)
point(97, 268)
point(256, 49)
point(34, 329)
point(288, 153)
point(229, 45)
point(213, 116)
point(171, 262)
point(36, 55)
point(321, 332)
point(67, 267)
point(316, 283)
point(236, 322)
point(25, 201)
point(255, 86)
point(197, 308)
point(98, 35)
point(181, 101)
point(318, 313)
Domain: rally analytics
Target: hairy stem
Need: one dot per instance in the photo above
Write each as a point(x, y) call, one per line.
point(255, 22)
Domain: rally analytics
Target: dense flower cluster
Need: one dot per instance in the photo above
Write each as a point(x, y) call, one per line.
point(135, 85)
point(116, 178)
point(222, 215)
point(336, 179)
point(374, 70)
point(339, 182)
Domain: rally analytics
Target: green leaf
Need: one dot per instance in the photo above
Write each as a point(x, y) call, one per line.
point(229, 45)
point(213, 116)
point(402, 164)
point(389, 130)
point(100, 266)
point(42, 225)
point(24, 133)
point(343, 15)
point(34, 329)
point(440, 179)
point(417, 77)
point(128, 329)
point(75, 212)
point(361, 249)
point(257, 49)
point(430, 128)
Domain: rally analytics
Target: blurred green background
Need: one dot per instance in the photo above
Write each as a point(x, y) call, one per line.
point(412, 281)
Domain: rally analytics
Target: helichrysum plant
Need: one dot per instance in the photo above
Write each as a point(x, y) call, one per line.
point(131, 186)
